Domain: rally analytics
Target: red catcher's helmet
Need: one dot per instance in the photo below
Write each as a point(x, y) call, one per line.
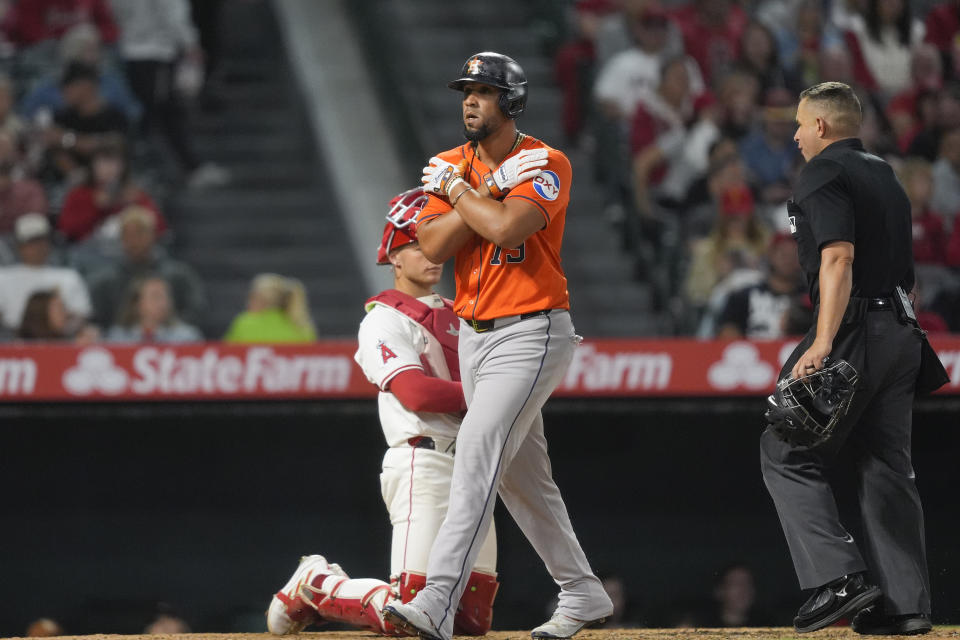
point(400, 228)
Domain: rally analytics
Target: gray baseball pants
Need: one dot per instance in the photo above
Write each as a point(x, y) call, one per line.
point(508, 373)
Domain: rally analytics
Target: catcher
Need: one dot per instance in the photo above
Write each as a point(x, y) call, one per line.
point(408, 348)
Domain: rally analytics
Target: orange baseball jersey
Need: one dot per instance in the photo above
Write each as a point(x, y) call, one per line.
point(492, 281)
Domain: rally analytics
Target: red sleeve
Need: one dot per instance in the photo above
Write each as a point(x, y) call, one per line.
point(103, 16)
point(79, 215)
point(417, 391)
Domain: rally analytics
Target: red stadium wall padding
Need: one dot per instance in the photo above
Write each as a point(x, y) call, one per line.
point(214, 371)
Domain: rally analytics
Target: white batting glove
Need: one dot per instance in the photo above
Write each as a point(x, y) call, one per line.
point(520, 168)
point(439, 176)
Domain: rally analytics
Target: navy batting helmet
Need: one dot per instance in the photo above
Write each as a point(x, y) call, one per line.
point(499, 71)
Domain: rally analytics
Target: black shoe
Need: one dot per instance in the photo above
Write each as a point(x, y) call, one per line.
point(874, 622)
point(835, 600)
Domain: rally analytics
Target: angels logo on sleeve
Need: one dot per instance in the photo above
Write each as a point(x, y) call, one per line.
point(547, 185)
point(385, 352)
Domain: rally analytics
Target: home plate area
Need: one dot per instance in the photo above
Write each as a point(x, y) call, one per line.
point(834, 633)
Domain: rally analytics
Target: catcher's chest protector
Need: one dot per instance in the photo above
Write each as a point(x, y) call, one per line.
point(442, 323)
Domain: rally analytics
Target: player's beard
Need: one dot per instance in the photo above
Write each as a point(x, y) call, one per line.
point(477, 135)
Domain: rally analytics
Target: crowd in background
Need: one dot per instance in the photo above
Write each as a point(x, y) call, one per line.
point(94, 99)
point(688, 111)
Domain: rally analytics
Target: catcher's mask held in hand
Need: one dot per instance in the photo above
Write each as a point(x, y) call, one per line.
point(805, 412)
point(401, 222)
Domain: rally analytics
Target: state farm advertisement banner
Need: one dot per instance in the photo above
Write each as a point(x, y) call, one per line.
point(214, 371)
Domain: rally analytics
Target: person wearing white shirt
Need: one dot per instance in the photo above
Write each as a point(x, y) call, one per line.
point(18, 282)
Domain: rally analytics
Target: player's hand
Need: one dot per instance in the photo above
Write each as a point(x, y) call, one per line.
point(439, 176)
point(520, 168)
point(812, 360)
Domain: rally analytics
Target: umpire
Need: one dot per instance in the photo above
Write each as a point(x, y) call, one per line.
point(849, 203)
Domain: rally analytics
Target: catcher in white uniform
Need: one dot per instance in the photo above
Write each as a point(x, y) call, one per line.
point(408, 348)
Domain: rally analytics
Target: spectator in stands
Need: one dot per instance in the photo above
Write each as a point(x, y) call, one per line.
point(627, 76)
point(738, 95)
point(19, 194)
point(659, 131)
point(929, 237)
point(35, 21)
point(19, 281)
point(574, 65)
point(108, 190)
point(277, 311)
point(802, 33)
point(45, 317)
point(734, 601)
point(142, 257)
point(154, 38)
point(769, 151)
point(738, 241)
point(10, 122)
point(711, 31)
point(946, 178)
point(85, 121)
point(760, 57)
point(880, 42)
point(942, 25)
point(757, 311)
point(938, 113)
point(148, 315)
point(82, 44)
point(913, 109)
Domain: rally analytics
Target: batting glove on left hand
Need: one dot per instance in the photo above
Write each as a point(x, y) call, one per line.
point(439, 176)
point(520, 168)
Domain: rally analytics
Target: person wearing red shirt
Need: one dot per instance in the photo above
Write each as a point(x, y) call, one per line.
point(108, 191)
point(929, 235)
point(711, 32)
point(28, 23)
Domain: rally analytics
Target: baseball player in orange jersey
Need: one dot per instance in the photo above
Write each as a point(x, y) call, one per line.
point(407, 346)
point(498, 204)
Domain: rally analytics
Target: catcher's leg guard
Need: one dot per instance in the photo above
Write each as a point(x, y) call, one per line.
point(356, 602)
point(410, 585)
point(475, 613)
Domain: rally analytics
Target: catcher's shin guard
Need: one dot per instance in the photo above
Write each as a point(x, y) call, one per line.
point(355, 602)
point(410, 585)
point(475, 613)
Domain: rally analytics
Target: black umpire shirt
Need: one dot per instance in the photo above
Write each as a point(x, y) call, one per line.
point(847, 194)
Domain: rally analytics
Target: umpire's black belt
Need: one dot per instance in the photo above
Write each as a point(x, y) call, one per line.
point(877, 304)
point(485, 325)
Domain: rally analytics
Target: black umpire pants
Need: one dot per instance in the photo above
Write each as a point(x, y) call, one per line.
point(878, 429)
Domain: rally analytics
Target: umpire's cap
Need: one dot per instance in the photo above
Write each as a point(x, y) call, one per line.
point(500, 71)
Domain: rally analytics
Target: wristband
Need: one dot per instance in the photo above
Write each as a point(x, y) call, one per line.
point(495, 191)
point(454, 182)
point(453, 202)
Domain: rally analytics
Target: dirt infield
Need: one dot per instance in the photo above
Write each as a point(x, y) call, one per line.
point(938, 633)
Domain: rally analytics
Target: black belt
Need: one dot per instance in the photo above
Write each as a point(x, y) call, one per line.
point(485, 325)
point(876, 304)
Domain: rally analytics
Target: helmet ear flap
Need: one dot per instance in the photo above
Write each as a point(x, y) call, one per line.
point(512, 101)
